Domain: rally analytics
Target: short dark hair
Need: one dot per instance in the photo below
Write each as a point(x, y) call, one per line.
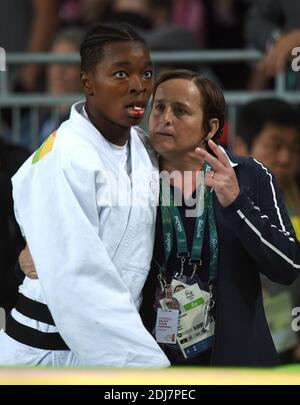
point(255, 115)
point(212, 98)
point(99, 35)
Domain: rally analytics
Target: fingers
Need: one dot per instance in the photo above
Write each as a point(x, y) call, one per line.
point(217, 163)
point(209, 179)
point(26, 264)
point(225, 187)
point(32, 275)
point(215, 180)
point(219, 153)
point(204, 155)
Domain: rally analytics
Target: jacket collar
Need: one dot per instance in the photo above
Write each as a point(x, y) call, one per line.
point(233, 160)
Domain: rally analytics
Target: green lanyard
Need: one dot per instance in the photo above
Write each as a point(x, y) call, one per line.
point(171, 220)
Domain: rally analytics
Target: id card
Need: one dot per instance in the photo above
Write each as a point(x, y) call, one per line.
point(195, 327)
point(195, 335)
point(166, 325)
point(195, 324)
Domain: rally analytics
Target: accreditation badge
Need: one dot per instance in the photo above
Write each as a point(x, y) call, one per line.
point(196, 326)
point(166, 325)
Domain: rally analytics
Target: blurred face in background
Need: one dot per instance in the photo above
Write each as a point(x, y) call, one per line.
point(64, 77)
point(277, 147)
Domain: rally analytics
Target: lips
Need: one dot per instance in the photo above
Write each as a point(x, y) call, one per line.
point(163, 133)
point(136, 109)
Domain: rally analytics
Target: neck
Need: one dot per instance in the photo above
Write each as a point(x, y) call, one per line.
point(114, 133)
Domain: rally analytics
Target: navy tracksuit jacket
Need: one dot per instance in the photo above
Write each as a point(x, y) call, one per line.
point(255, 236)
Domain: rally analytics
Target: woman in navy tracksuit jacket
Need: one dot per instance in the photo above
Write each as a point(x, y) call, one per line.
point(255, 235)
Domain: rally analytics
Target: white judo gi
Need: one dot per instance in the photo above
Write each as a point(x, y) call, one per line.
point(90, 228)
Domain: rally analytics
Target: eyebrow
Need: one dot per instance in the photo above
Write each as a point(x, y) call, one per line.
point(176, 103)
point(127, 63)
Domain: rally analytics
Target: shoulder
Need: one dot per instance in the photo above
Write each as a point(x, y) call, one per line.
point(144, 139)
point(77, 141)
point(247, 164)
point(71, 149)
point(257, 168)
point(253, 176)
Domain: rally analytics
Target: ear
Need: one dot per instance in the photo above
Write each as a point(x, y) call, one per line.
point(239, 147)
point(87, 83)
point(214, 126)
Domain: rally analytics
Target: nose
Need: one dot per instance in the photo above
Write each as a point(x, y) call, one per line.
point(167, 116)
point(136, 84)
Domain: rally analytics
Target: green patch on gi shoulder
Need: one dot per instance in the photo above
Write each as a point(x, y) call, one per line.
point(44, 149)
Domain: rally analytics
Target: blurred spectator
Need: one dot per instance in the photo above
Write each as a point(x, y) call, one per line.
point(11, 241)
point(94, 10)
point(225, 30)
point(154, 19)
point(136, 6)
point(162, 12)
point(135, 12)
point(273, 26)
point(225, 23)
point(28, 25)
point(62, 78)
point(70, 12)
point(143, 14)
point(191, 14)
point(175, 38)
point(82, 12)
point(269, 131)
point(171, 38)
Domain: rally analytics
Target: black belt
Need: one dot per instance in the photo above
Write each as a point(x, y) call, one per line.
point(30, 336)
point(34, 310)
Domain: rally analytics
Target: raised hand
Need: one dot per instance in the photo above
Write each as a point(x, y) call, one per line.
point(222, 179)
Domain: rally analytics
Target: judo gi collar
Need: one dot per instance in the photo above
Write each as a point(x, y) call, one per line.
point(85, 128)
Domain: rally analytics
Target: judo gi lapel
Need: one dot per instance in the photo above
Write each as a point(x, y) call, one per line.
point(144, 175)
point(112, 183)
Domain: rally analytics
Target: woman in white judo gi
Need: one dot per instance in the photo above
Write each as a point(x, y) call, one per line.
point(86, 204)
